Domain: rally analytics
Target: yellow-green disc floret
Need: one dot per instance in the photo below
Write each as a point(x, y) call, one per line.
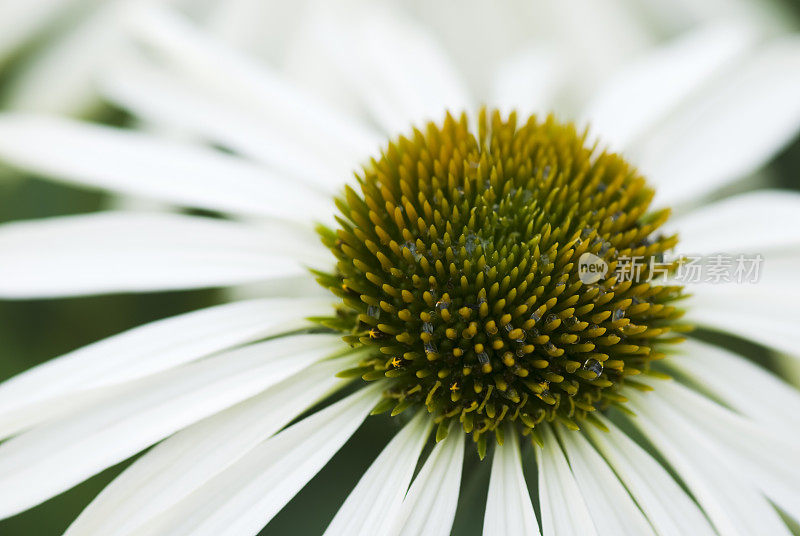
point(458, 263)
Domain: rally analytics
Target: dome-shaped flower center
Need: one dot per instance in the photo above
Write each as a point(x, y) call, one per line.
point(501, 276)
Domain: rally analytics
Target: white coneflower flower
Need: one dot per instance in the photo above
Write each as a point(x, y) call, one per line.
point(459, 305)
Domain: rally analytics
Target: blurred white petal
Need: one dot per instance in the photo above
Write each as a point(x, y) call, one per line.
point(672, 14)
point(636, 98)
point(527, 82)
point(170, 101)
point(277, 101)
point(400, 72)
point(73, 60)
point(732, 129)
point(131, 252)
point(754, 222)
point(593, 38)
point(22, 21)
point(258, 26)
point(132, 162)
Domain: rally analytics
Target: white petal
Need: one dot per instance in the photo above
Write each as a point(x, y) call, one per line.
point(779, 335)
point(184, 462)
point(527, 82)
point(52, 458)
point(21, 21)
point(760, 452)
point(413, 65)
point(670, 510)
point(243, 499)
point(733, 504)
point(132, 252)
point(144, 165)
point(612, 509)
point(763, 312)
point(508, 506)
point(755, 222)
point(164, 98)
point(733, 129)
point(257, 26)
point(592, 38)
point(758, 306)
point(771, 16)
point(430, 505)
point(73, 58)
point(401, 73)
point(34, 395)
point(749, 389)
point(637, 97)
point(371, 507)
point(564, 512)
point(280, 103)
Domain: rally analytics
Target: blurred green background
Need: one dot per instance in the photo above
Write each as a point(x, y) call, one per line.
point(33, 332)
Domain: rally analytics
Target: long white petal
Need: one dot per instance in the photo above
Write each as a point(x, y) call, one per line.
point(21, 21)
point(144, 165)
point(779, 334)
point(755, 222)
point(508, 506)
point(773, 17)
point(612, 509)
point(592, 38)
point(755, 300)
point(527, 82)
point(401, 73)
point(162, 97)
point(748, 388)
point(134, 416)
point(40, 393)
point(132, 252)
point(763, 312)
point(670, 510)
point(761, 451)
point(564, 512)
point(257, 26)
point(242, 499)
point(183, 463)
point(638, 97)
point(72, 57)
point(282, 104)
point(430, 505)
point(734, 505)
point(371, 507)
point(736, 126)
point(410, 62)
